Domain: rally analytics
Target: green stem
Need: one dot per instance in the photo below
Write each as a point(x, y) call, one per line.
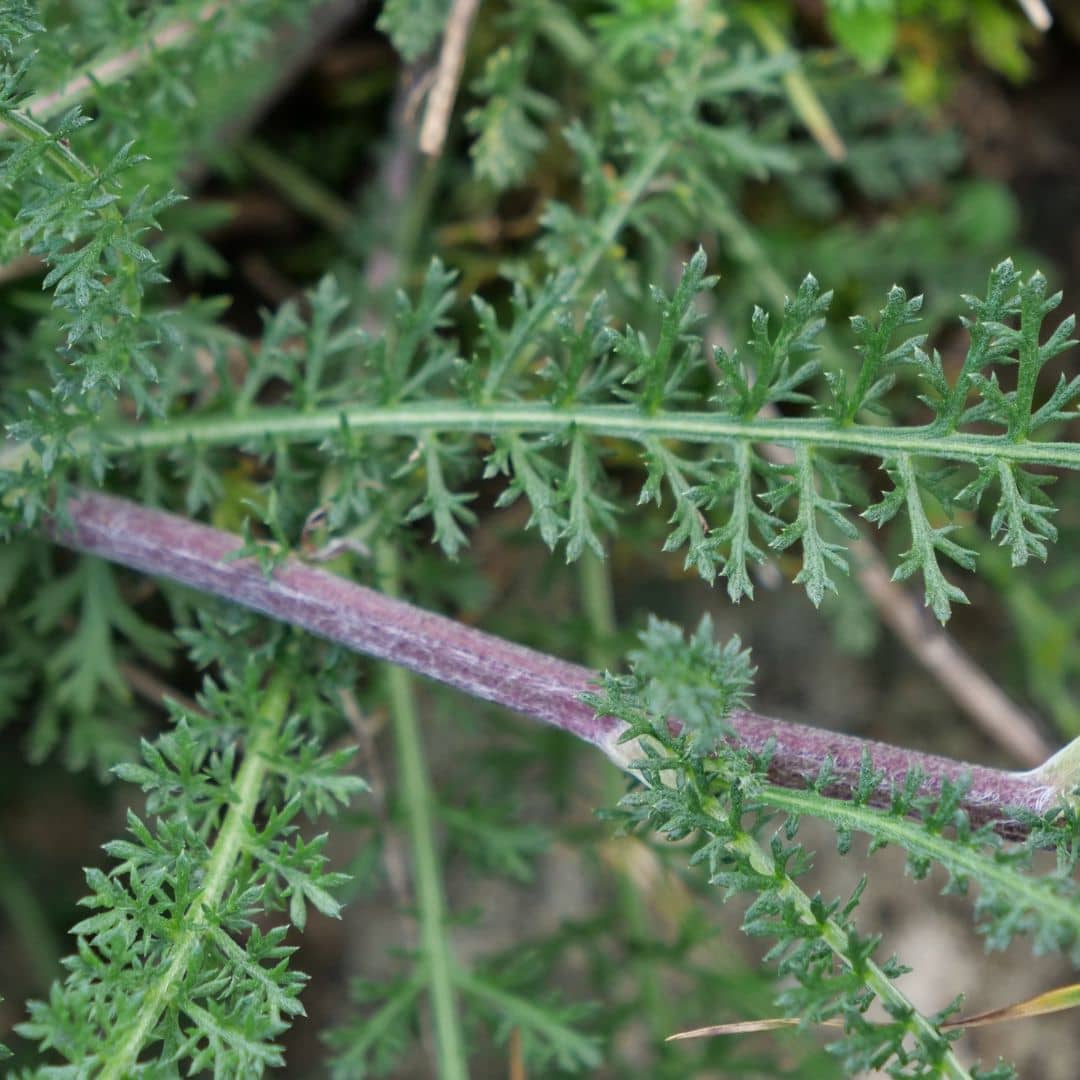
point(65, 159)
point(120, 1061)
point(407, 190)
point(616, 421)
point(598, 604)
point(632, 191)
point(1036, 894)
point(834, 935)
point(29, 130)
point(299, 188)
point(26, 917)
point(522, 339)
point(420, 811)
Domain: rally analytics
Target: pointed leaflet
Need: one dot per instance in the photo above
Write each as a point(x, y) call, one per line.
point(447, 509)
point(769, 371)
point(746, 513)
point(658, 371)
point(879, 360)
point(664, 466)
point(536, 477)
point(507, 125)
point(926, 540)
point(817, 552)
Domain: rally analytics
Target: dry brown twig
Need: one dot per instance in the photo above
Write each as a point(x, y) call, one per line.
point(440, 102)
point(1038, 14)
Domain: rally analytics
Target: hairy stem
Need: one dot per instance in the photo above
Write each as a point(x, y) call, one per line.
point(416, 795)
point(120, 1060)
point(487, 667)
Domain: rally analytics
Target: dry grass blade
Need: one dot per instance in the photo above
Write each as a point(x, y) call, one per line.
point(1058, 1000)
point(804, 99)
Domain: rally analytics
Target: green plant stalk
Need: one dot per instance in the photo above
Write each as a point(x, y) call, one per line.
point(598, 604)
point(72, 166)
point(612, 221)
point(26, 916)
point(120, 1061)
point(419, 807)
point(631, 191)
point(834, 936)
point(910, 836)
point(615, 421)
point(14, 456)
point(29, 130)
point(305, 193)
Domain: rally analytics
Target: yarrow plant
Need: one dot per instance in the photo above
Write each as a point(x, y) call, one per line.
point(277, 494)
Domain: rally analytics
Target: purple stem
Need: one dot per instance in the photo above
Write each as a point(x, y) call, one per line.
point(485, 666)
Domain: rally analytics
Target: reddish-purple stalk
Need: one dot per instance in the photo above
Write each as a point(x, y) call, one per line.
point(487, 667)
